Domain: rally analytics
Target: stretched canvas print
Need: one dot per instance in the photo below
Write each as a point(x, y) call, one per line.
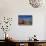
point(25, 19)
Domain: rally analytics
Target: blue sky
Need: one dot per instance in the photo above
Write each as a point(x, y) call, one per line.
point(25, 17)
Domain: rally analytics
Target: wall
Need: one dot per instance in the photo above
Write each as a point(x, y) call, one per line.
point(13, 8)
point(45, 28)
